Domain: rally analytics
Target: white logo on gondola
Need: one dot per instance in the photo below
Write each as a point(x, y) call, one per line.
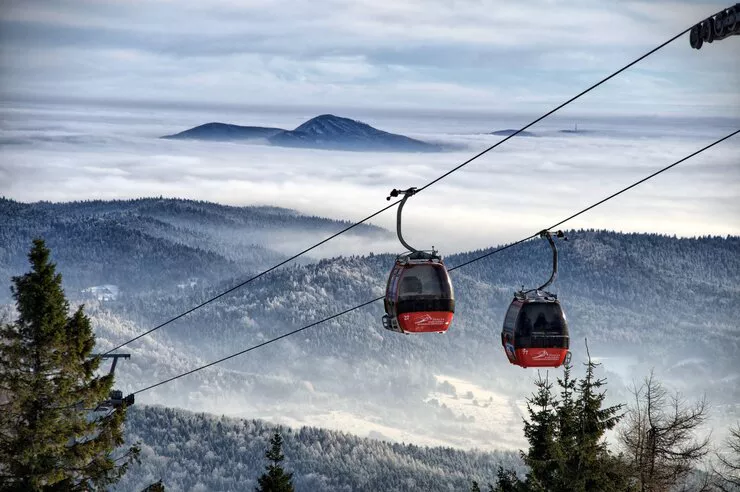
point(429, 320)
point(545, 355)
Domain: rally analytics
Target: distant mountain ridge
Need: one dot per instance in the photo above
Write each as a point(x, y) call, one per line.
point(123, 242)
point(511, 131)
point(220, 132)
point(326, 131)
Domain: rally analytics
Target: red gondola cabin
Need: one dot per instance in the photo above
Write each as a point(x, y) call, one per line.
point(419, 296)
point(535, 332)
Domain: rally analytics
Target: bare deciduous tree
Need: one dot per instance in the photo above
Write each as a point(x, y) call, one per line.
point(658, 437)
point(727, 469)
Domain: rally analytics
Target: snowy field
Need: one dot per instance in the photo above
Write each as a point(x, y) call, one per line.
point(479, 411)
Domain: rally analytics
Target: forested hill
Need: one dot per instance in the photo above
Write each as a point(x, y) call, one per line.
point(201, 452)
point(155, 243)
point(639, 293)
point(326, 131)
point(643, 301)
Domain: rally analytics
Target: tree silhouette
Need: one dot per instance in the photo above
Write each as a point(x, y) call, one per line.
point(48, 438)
point(658, 438)
point(567, 451)
point(727, 472)
point(540, 431)
point(275, 479)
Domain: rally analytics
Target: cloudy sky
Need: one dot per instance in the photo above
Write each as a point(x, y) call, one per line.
point(463, 55)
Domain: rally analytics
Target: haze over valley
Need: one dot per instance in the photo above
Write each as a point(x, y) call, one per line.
point(641, 300)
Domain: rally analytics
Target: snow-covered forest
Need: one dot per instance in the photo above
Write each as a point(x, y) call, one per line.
point(643, 301)
point(154, 244)
point(199, 452)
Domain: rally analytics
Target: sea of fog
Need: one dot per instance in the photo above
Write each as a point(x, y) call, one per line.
point(67, 152)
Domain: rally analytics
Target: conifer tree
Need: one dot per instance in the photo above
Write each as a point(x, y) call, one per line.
point(275, 479)
point(595, 467)
point(539, 431)
point(564, 448)
point(48, 440)
point(507, 481)
point(567, 451)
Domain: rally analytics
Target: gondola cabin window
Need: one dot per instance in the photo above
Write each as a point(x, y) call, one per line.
point(510, 319)
point(542, 318)
point(425, 282)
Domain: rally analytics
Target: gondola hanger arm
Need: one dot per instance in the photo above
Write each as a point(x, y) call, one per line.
point(408, 193)
point(548, 235)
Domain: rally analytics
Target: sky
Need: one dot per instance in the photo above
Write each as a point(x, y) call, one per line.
point(420, 55)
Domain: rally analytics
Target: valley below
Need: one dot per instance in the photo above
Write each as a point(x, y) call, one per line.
point(640, 313)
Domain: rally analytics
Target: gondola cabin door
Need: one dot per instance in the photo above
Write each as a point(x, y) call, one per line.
point(507, 335)
point(419, 297)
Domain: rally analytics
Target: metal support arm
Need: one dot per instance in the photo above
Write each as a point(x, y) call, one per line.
point(115, 358)
point(548, 235)
point(406, 195)
point(115, 398)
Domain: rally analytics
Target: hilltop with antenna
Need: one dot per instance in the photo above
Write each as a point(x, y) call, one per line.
point(574, 130)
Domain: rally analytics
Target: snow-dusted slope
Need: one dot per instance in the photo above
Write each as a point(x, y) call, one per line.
point(157, 244)
point(334, 132)
point(643, 301)
point(203, 452)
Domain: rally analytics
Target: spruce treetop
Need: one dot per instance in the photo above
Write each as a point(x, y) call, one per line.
point(51, 439)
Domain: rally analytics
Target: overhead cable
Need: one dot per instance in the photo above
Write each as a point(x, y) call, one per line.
point(458, 167)
point(478, 258)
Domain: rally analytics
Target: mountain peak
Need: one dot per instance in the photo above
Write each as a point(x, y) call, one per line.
point(328, 117)
point(326, 131)
point(329, 124)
